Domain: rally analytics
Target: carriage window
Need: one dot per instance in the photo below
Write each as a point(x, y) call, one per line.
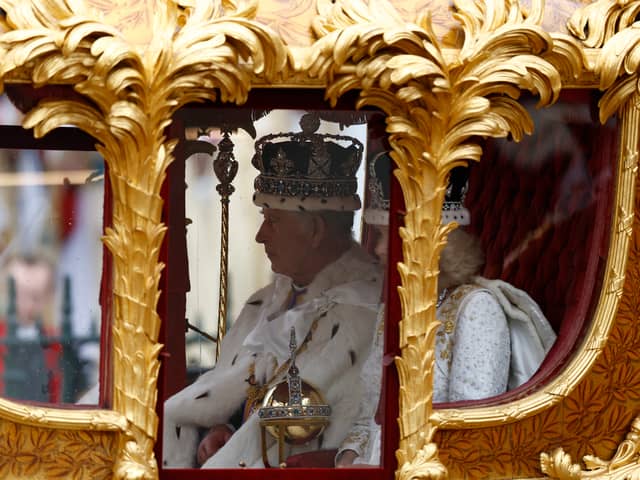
point(50, 267)
point(303, 285)
point(516, 211)
point(538, 210)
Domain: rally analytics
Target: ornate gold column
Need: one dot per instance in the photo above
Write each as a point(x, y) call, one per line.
point(437, 102)
point(130, 80)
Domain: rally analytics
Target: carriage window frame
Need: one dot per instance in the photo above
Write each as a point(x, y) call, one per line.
point(469, 411)
point(194, 115)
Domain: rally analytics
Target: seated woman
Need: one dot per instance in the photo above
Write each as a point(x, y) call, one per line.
point(492, 336)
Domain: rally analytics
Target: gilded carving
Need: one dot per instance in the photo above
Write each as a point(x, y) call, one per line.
point(608, 25)
point(438, 101)
point(28, 452)
point(436, 104)
point(596, 23)
point(589, 413)
point(597, 412)
point(603, 25)
point(128, 93)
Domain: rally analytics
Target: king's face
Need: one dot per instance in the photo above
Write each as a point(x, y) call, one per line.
point(286, 237)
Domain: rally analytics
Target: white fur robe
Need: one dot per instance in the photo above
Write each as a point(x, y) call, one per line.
point(344, 299)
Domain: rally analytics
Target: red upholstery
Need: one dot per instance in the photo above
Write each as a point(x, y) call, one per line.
point(541, 209)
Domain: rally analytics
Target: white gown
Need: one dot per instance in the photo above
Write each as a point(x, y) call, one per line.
point(480, 326)
point(472, 347)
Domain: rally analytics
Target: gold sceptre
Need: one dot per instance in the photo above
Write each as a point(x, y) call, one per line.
point(225, 167)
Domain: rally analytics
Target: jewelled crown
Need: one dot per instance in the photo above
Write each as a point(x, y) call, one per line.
point(376, 210)
point(453, 209)
point(307, 170)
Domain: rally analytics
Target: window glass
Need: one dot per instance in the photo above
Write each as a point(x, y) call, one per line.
point(338, 307)
point(540, 209)
point(50, 267)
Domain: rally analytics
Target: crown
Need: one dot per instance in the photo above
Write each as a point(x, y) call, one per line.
point(453, 209)
point(376, 210)
point(307, 170)
point(378, 186)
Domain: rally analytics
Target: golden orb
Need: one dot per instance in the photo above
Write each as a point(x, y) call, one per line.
point(300, 421)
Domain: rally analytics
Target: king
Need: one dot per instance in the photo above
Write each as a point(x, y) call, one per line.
point(326, 290)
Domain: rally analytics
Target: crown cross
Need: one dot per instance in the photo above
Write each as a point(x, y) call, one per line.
point(293, 375)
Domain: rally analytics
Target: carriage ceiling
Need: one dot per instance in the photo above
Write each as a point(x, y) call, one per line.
point(293, 20)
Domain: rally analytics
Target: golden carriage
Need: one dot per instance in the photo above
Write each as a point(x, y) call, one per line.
point(449, 79)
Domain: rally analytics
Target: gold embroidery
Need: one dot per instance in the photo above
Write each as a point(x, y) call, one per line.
point(448, 313)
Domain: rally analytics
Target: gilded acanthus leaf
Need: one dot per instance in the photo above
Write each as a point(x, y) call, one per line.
point(611, 26)
point(127, 96)
point(437, 106)
point(617, 67)
point(424, 465)
point(623, 465)
point(558, 465)
point(597, 22)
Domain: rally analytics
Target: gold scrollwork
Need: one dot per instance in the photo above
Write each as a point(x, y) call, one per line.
point(128, 94)
point(618, 73)
point(437, 101)
point(435, 104)
point(623, 465)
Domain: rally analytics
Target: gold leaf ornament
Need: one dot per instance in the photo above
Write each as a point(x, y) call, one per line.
point(131, 92)
point(596, 22)
point(425, 465)
point(559, 465)
point(437, 105)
